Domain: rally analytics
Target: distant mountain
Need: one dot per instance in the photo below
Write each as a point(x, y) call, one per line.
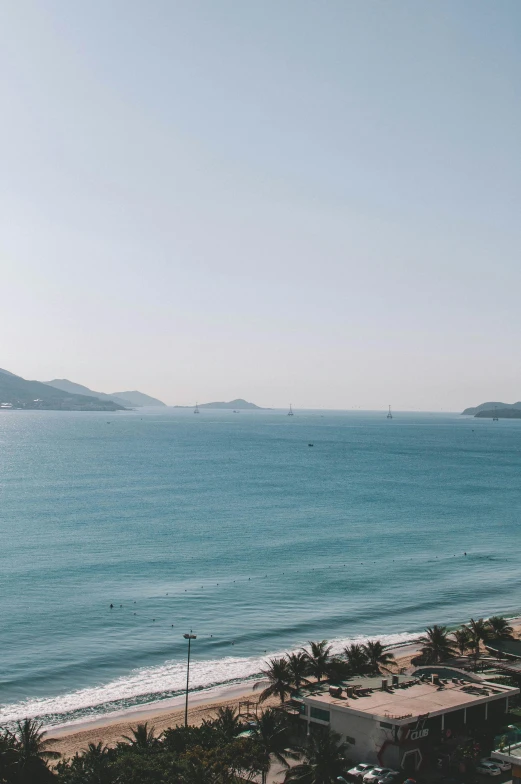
point(78, 389)
point(125, 399)
point(473, 411)
point(136, 398)
point(17, 392)
point(508, 412)
point(238, 404)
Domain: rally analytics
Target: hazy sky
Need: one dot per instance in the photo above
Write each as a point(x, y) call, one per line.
point(316, 202)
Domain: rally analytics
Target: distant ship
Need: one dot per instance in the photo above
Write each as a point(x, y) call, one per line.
point(495, 418)
point(290, 412)
point(389, 415)
point(196, 409)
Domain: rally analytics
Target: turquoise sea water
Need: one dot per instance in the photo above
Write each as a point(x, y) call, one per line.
point(233, 526)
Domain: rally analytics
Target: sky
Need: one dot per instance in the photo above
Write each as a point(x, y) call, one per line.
point(306, 202)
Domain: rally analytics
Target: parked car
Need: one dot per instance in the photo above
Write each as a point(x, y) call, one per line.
point(501, 765)
point(360, 770)
point(389, 778)
point(377, 773)
point(488, 768)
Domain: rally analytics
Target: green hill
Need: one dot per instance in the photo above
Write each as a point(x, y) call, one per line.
point(136, 398)
point(20, 393)
point(475, 410)
point(127, 399)
point(238, 404)
point(501, 413)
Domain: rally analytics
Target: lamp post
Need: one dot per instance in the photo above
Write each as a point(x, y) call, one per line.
point(188, 637)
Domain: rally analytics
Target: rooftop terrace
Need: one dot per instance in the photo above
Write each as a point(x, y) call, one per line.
point(411, 697)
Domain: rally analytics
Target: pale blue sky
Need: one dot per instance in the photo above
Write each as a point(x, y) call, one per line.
point(315, 202)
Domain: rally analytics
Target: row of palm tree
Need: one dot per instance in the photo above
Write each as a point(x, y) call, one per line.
point(438, 644)
point(288, 673)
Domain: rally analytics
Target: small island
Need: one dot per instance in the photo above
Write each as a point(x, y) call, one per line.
point(236, 405)
point(494, 411)
point(499, 413)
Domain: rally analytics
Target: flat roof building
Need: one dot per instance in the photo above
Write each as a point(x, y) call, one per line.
point(396, 721)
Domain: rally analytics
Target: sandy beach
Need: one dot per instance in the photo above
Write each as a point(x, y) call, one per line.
point(72, 738)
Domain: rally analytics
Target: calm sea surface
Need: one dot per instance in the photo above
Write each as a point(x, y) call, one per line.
point(231, 525)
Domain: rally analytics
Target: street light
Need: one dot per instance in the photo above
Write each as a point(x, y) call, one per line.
point(188, 637)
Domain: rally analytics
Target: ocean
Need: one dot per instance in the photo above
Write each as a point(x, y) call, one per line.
point(233, 526)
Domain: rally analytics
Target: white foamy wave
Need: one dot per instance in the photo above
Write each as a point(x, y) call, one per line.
point(151, 684)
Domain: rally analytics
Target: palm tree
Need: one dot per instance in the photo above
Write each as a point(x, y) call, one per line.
point(479, 630)
point(227, 723)
point(324, 760)
point(95, 765)
point(462, 639)
point(318, 658)
point(337, 670)
point(298, 668)
point(356, 659)
point(499, 628)
point(270, 736)
point(7, 756)
point(31, 751)
point(141, 737)
point(436, 646)
point(279, 677)
point(378, 658)
point(479, 633)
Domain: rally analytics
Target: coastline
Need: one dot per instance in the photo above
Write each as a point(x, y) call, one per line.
point(74, 737)
point(71, 738)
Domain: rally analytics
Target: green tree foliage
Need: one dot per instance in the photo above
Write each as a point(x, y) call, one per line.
point(462, 639)
point(270, 738)
point(141, 737)
point(499, 628)
point(298, 668)
point(436, 645)
point(95, 766)
point(25, 754)
point(226, 724)
point(7, 757)
point(318, 656)
point(279, 680)
point(324, 759)
point(378, 657)
point(357, 660)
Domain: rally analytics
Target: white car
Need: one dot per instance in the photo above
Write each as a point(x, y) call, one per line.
point(377, 773)
point(501, 765)
point(488, 768)
point(360, 770)
point(389, 778)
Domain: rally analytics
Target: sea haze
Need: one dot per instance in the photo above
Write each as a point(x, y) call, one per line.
point(231, 525)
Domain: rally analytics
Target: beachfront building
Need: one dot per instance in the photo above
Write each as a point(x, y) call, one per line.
point(401, 721)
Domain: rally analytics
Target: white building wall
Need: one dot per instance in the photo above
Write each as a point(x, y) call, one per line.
point(367, 733)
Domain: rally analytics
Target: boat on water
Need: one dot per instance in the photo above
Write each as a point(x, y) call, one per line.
point(389, 415)
point(290, 412)
point(196, 409)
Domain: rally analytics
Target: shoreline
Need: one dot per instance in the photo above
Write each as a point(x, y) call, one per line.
point(72, 737)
